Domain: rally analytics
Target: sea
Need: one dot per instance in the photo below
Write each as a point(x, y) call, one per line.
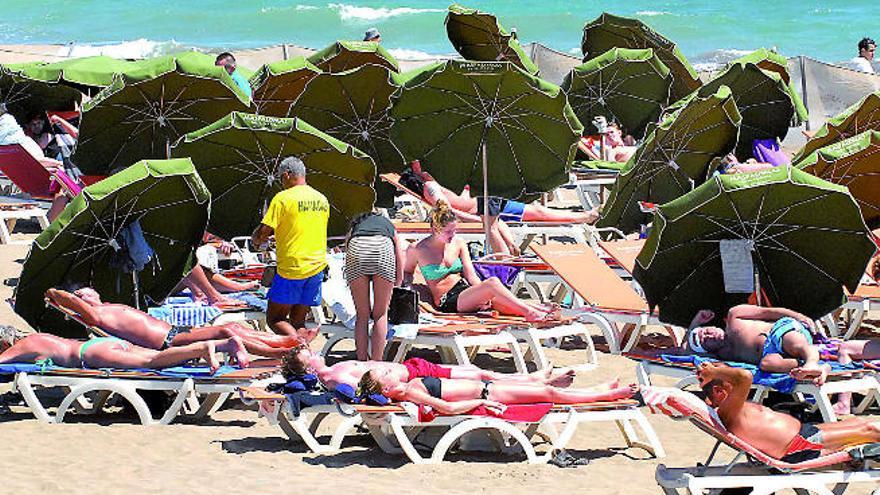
point(708, 32)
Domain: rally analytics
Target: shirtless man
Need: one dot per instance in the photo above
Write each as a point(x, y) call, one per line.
point(776, 339)
point(777, 435)
point(142, 329)
point(111, 352)
point(302, 360)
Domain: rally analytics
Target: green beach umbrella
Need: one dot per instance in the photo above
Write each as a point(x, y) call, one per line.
point(86, 74)
point(862, 116)
point(238, 158)
point(764, 100)
point(854, 163)
point(447, 113)
point(609, 31)
point(630, 87)
point(148, 108)
point(353, 106)
point(343, 56)
point(169, 203)
point(673, 159)
point(24, 97)
point(802, 236)
point(279, 84)
point(478, 36)
point(771, 61)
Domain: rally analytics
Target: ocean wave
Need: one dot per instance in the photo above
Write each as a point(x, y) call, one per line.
point(306, 7)
point(712, 60)
point(356, 13)
point(139, 48)
point(407, 54)
point(653, 13)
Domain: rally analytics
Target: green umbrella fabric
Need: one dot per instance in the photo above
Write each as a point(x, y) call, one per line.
point(630, 87)
point(445, 112)
point(609, 31)
point(353, 107)
point(170, 203)
point(763, 99)
point(478, 36)
point(771, 61)
point(25, 97)
point(279, 84)
point(148, 108)
point(858, 118)
point(674, 158)
point(805, 236)
point(238, 158)
point(854, 163)
point(86, 74)
point(343, 56)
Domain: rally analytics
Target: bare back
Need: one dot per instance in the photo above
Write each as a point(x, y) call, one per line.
point(39, 346)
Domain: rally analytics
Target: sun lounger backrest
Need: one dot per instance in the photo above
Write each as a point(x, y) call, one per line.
point(590, 277)
point(68, 313)
point(394, 180)
point(25, 171)
point(624, 252)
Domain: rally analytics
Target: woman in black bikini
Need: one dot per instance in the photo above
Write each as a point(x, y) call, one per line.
point(454, 396)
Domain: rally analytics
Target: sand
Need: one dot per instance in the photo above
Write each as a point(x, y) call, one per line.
point(235, 451)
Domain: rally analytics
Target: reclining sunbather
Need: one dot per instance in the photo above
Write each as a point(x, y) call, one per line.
point(617, 147)
point(776, 434)
point(446, 265)
point(111, 352)
point(142, 329)
point(301, 360)
point(779, 341)
point(459, 396)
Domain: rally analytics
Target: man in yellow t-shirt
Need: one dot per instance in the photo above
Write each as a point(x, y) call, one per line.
point(298, 217)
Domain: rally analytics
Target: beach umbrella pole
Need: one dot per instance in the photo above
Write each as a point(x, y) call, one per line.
point(488, 247)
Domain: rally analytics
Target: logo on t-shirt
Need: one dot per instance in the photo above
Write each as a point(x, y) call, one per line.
point(307, 205)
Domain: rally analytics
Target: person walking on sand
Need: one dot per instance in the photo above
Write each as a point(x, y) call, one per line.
point(298, 217)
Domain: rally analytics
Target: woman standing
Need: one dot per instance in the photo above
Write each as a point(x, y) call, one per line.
point(372, 255)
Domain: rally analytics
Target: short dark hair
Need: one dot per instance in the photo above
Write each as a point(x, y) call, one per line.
point(865, 42)
point(223, 56)
point(707, 388)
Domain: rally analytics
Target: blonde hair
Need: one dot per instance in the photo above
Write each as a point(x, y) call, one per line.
point(368, 385)
point(441, 215)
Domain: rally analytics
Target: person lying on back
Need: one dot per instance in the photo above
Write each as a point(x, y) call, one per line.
point(776, 434)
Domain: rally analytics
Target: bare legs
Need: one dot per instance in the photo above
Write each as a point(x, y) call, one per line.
point(520, 393)
point(258, 343)
point(562, 377)
point(120, 355)
point(846, 353)
point(225, 284)
point(849, 432)
point(539, 213)
point(290, 319)
point(370, 345)
point(492, 292)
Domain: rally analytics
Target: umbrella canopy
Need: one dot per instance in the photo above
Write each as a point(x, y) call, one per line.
point(446, 111)
point(858, 118)
point(609, 31)
point(353, 107)
point(146, 109)
point(478, 36)
point(86, 74)
point(803, 236)
point(628, 86)
point(170, 204)
point(773, 62)
point(673, 159)
point(238, 158)
point(279, 84)
point(342, 56)
point(854, 163)
point(763, 99)
point(25, 97)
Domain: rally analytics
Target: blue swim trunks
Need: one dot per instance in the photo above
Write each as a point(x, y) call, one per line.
point(305, 291)
point(507, 210)
point(773, 343)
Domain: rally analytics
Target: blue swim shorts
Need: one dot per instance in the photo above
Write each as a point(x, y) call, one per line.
point(773, 343)
point(507, 210)
point(305, 291)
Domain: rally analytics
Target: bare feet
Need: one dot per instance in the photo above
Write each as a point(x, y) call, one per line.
point(235, 348)
point(211, 356)
point(623, 392)
point(306, 335)
point(815, 373)
point(842, 408)
point(562, 379)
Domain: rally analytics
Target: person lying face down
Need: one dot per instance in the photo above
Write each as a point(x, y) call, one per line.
point(302, 360)
point(778, 340)
point(135, 326)
point(776, 434)
point(459, 396)
point(111, 352)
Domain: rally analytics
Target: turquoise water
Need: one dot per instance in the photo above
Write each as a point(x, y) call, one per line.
point(706, 31)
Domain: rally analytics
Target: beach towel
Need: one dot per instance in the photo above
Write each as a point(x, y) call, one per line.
point(514, 413)
point(183, 311)
point(768, 151)
point(506, 274)
point(173, 372)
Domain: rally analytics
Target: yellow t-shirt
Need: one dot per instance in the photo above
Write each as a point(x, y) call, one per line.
point(299, 217)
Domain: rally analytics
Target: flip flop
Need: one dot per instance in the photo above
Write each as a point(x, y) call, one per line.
point(565, 460)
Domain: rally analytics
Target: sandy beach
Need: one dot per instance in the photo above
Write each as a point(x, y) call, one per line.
point(235, 450)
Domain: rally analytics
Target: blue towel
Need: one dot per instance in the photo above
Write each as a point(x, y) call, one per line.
point(781, 382)
point(175, 372)
point(252, 299)
point(190, 313)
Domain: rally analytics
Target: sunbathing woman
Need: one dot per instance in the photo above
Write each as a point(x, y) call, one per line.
point(142, 329)
point(446, 265)
point(301, 360)
point(110, 352)
point(455, 396)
